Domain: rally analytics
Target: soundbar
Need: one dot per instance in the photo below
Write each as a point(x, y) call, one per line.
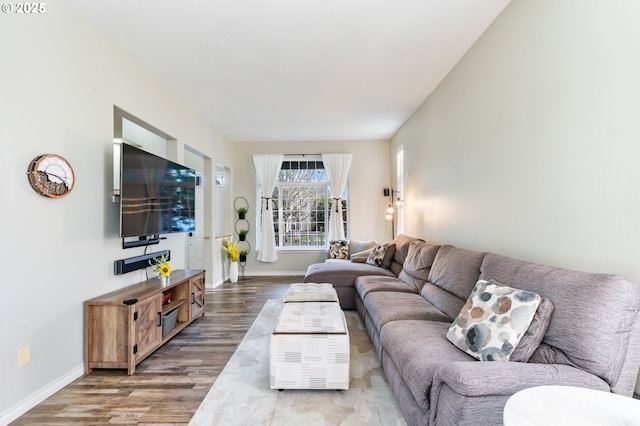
point(129, 264)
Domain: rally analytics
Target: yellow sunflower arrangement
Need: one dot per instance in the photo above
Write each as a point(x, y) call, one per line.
point(231, 249)
point(161, 266)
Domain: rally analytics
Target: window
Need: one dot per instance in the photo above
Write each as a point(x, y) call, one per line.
point(301, 203)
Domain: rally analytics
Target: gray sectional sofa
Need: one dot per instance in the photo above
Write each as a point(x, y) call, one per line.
point(588, 336)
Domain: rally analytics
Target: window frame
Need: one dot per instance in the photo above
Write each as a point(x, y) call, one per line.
point(279, 221)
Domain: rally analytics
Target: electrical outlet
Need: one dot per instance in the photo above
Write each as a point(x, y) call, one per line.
point(24, 355)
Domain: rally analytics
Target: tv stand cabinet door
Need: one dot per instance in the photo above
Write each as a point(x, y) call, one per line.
point(196, 285)
point(148, 329)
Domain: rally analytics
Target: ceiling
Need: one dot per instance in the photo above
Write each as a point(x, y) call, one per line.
point(292, 70)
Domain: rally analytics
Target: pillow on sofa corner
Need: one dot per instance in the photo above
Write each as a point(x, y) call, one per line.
point(339, 249)
point(532, 339)
point(388, 256)
point(377, 255)
point(493, 321)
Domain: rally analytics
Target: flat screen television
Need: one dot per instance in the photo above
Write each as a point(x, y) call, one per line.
point(157, 196)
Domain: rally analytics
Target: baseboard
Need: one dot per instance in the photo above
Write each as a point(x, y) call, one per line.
point(276, 273)
point(37, 397)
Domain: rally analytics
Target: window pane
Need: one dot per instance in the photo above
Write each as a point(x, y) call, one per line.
point(302, 171)
point(302, 215)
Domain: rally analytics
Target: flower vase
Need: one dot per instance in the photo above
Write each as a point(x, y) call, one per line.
point(233, 272)
point(164, 279)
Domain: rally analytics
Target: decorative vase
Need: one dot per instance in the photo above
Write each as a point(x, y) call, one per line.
point(164, 279)
point(233, 272)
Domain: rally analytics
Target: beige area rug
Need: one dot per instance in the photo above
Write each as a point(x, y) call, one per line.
point(241, 394)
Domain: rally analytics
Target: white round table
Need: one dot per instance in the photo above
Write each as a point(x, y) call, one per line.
point(568, 405)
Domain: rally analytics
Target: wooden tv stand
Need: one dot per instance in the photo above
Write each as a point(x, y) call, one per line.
point(123, 327)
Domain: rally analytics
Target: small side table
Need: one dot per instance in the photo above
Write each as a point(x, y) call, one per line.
point(569, 405)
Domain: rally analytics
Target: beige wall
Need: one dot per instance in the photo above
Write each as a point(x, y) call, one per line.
point(530, 146)
point(369, 175)
point(61, 78)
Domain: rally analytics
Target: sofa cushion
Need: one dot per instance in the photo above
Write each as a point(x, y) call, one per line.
point(417, 264)
point(456, 270)
point(401, 243)
point(339, 249)
point(447, 302)
point(384, 307)
point(592, 320)
point(371, 283)
point(492, 322)
point(403, 340)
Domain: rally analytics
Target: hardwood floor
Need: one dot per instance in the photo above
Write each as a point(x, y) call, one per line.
point(169, 386)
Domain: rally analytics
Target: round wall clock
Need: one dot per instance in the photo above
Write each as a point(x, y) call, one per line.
point(50, 175)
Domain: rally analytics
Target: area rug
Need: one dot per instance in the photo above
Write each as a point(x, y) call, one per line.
point(241, 393)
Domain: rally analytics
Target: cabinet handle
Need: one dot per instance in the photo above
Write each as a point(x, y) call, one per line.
point(193, 298)
point(159, 319)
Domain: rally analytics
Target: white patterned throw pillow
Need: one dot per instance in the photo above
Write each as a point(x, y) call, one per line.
point(493, 320)
point(376, 257)
point(339, 249)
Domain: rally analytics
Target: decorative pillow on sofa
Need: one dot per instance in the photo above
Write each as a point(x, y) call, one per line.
point(376, 257)
point(493, 321)
point(339, 249)
point(532, 339)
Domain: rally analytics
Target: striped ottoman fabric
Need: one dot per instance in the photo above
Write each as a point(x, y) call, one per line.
point(310, 347)
point(311, 292)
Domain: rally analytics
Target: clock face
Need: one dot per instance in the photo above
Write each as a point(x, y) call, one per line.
point(51, 175)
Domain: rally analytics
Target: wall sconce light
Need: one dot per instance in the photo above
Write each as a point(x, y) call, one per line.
point(391, 211)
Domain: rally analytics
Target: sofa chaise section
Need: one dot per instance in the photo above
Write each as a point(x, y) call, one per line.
point(342, 275)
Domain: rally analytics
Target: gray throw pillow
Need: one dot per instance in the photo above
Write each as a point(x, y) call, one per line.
point(535, 333)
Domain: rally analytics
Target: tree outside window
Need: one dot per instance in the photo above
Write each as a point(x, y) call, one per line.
point(301, 202)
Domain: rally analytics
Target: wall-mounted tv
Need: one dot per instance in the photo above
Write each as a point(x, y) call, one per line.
point(157, 196)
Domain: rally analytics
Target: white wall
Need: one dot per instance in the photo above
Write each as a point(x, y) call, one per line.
point(60, 80)
point(530, 146)
point(369, 174)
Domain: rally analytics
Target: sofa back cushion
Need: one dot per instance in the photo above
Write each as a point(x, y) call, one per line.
point(454, 273)
point(593, 315)
point(417, 264)
point(401, 243)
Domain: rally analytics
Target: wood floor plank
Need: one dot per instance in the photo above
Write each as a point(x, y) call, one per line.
point(170, 384)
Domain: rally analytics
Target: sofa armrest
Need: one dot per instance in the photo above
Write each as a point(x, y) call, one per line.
point(507, 378)
point(361, 257)
point(484, 382)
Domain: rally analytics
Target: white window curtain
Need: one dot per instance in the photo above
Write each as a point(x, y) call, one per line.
point(267, 169)
point(337, 167)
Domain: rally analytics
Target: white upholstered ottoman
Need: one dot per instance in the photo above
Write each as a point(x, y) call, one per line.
point(310, 347)
point(311, 292)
